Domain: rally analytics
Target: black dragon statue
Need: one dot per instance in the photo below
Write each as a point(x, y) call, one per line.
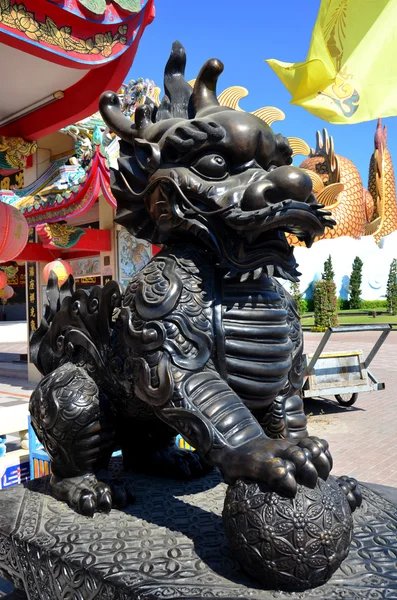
point(205, 341)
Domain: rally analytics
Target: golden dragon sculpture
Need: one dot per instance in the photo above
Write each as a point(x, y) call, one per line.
point(337, 184)
point(336, 180)
point(14, 152)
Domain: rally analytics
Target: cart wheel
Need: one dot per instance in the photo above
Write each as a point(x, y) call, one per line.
point(346, 399)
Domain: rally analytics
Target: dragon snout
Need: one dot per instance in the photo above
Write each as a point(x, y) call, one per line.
point(283, 183)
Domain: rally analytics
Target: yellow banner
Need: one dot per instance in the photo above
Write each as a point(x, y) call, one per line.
point(350, 74)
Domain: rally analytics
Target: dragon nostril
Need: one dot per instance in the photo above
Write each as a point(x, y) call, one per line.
point(290, 183)
point(283, 183)
point(255, 196)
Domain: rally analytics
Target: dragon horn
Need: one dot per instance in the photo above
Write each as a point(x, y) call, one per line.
point(177, 91)
point(109, 106)
point(204, 92)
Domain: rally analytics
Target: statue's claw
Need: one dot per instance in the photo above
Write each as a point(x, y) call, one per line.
point(86, 503)
point(84, 493)
point(321, 457)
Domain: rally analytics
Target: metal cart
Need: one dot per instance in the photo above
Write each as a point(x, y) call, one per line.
point(342, 374)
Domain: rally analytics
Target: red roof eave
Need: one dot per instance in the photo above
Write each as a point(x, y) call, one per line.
point(98, 178)
point(81, 99)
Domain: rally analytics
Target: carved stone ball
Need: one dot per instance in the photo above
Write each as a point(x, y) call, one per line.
point(288, 544)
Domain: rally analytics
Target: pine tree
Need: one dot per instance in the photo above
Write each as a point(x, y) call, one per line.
point(355, 283)
point(328, 274)
point(391, 290)
point(297, 296)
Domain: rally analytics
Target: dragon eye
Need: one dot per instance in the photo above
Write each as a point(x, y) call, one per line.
point(212, 166)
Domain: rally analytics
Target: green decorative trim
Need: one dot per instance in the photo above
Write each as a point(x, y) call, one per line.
point(96, 6)
point(130, 5)
point(99, 6)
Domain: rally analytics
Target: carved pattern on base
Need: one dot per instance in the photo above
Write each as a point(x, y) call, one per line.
point(170, 544)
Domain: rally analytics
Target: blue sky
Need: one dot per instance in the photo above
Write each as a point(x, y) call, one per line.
point(243, 35)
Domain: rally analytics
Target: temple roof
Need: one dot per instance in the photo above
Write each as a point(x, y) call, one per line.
point(65, 191)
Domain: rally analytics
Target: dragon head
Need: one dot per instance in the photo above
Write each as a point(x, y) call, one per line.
point(15, 151)
point(193, 171)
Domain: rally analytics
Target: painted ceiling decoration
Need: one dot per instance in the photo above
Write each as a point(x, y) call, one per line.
point(71, 185)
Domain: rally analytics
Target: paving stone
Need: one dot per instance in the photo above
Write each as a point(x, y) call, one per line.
point(363, 437)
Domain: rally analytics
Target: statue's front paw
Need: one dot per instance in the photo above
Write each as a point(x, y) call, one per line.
point(280, 464)
point(84, 493)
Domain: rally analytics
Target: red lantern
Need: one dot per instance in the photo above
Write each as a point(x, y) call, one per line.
point(3, 279)
point(14, 232)
point(61, 268)
point(6, 293)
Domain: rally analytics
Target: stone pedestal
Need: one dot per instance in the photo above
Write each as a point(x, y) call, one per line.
point(169, 544)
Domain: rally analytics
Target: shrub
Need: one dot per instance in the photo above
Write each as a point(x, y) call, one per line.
point(325, 300)
point(355, 283)
point(343, 304)
point(325, 304)
point(310, 304)
point(371, 304)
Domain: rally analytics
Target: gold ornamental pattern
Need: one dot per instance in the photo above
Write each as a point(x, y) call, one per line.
point(14, 152)
point(18, 17)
